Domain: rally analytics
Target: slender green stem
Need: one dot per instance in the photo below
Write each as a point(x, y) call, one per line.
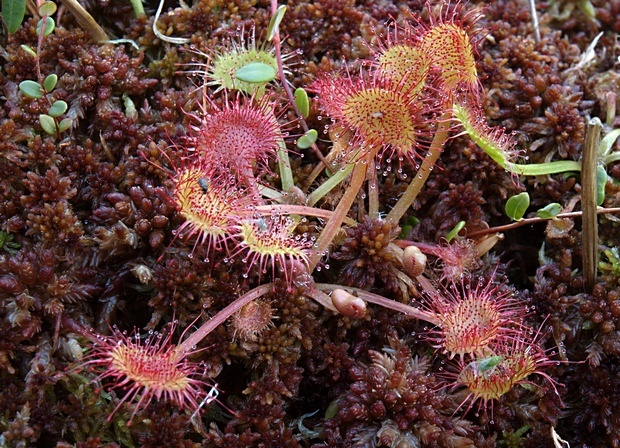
point(373, 191)
point(407, 199)
point(194, 339)
point(329, 184)
point(270, 193)
point(284, 166)
point(138, 8)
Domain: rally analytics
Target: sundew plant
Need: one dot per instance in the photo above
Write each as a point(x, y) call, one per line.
point(313, 224)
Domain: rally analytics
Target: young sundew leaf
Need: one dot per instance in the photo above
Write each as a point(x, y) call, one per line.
point(13, 12)
point(31, 89)
point(549, 211)
point(274, 23)
point(256, 72)
point(308, 139)
point(302, 101)
point(48, 124)
point(517, 205)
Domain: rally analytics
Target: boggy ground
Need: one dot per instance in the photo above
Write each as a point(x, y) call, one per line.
point(88, 222)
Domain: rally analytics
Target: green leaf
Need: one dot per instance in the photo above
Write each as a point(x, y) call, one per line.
point(47, 9)
point(13, 12)
point(601, 181)
point(517, 205)
point(274, 22)
point(50, 25)
point(50, 82)
point(607, 142)
point(29, 50)
point(256, 72)
point(549, 211)
point(308, 139)
point(332, 409)
point(64, 124)
point(31, 89)
point(48, 124)
point(58, 108)
point(303, 102)
point(455, 230)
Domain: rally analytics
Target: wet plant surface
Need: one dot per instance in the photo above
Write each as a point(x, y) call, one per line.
point(297, 232)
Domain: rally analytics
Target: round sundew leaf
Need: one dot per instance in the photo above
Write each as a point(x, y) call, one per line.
point(308, 139)
point(31, 89)
point(47, 9)
point(549, 211)
point(303, 102)
point(48, 124)
point(58, 108)
point(50, 25)
point(50, 82)
point(64, 124)
point(455, 230)
point(274, 23)
point(256, 72)
point(517, 205)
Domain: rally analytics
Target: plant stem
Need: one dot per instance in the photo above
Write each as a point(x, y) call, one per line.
point(426, 316)
point(329, 184)
point(428, 163)
point(514, 225)
point(291, 209)
point(284, 166)
point(541, 169)
point(333, 224)
point(373, 191)
point(589, 228)
point(289, 93)
point(210, 325)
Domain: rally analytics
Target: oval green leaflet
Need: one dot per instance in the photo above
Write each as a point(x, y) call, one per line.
point(48, 124)
point(303, 102)
point(308, 139)
point(31, 89)
point(517, 205)
point(549, 211)
point(58, 108)
point(256, 73)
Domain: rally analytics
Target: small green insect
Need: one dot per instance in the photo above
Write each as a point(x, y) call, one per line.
point(485, 366)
